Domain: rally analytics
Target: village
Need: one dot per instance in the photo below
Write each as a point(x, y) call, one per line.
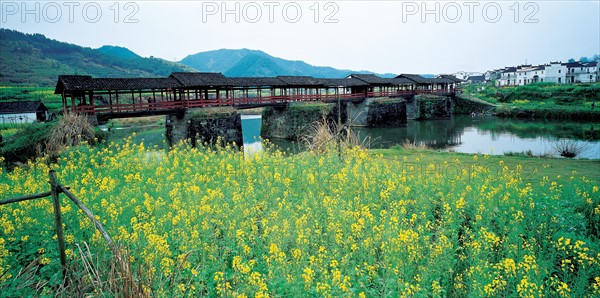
point(553, 72)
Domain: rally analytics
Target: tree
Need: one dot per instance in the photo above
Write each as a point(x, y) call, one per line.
point(584, 59)
point(571, 60)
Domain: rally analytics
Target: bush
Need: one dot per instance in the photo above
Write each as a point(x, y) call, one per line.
point(49, 138)
point(567, 100)
point(27, 143)
point(72, 130)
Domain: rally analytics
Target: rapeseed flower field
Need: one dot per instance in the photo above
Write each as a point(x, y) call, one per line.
point(212, 222)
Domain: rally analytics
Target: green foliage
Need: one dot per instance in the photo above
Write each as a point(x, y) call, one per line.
point(542, 100)
point(31, 93)
point(34, 60)
point(27, 143)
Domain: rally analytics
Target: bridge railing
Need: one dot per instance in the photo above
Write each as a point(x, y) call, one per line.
point(229, 101)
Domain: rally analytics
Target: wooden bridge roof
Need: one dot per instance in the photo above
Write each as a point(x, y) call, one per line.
point(400, 81)
point(347, 82)
point(441, 81)
point(83, 83)
point(452, 78)
point(257, 82)
point(370, 78)
point(178, 80)
point(201, 79)
point(300, 81)
point(415, 78)
point(70, 82)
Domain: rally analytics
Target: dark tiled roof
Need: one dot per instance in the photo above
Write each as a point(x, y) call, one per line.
point(441, 81)
point(257, 82)
point(400, 81)
point(21, 107)
point(300, 80)
point(132, 83)
point(201, 79)
point(573, 64)
point(80, 83)
point(455, 79)
point(70, 82)
point(370, 78)
point(347, 82)
point(415, 78)
point(476, 78)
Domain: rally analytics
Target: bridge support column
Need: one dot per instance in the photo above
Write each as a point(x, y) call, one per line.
point(424, 107)
point(378, 112)
point(204, 126)
point(295, 120)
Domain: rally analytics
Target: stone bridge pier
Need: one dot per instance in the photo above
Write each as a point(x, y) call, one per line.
point(204, 126)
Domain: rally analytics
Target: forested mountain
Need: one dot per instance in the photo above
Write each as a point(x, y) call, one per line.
point(34, 60)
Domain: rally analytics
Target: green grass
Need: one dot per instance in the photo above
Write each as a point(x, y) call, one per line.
point(536, 168)
point(542, 100)
point(30, 93)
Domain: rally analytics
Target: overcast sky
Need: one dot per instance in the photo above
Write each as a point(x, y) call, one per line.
point(381, 36)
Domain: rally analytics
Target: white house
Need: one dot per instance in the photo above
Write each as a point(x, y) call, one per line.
point(22, 112)
point(531, 74)
point(556, 73)
point(493, 75)
point(508, 77)
point(581, 72)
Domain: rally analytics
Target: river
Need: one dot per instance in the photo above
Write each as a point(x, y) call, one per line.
point(479, 134)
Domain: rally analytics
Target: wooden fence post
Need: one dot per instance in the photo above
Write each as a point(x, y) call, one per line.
point(55, 189)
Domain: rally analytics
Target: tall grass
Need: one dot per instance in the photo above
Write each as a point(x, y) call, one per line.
point(71, 130)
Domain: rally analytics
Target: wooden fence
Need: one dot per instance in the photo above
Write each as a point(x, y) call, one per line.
point(55, 190)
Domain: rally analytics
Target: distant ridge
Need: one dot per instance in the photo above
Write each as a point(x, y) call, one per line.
point(254, 63)
point(34, 60)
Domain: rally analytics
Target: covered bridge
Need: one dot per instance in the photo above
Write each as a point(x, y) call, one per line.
point(122, 96)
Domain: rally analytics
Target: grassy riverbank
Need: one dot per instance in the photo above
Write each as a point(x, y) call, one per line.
point(209, 222)
point(542, 100)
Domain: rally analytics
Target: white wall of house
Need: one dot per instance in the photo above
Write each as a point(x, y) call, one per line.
point(582, 74)
point(508, 79)
point(17, 118)
point(536, 75)
point(555, 73)
point(526, 76)
point(522, 77)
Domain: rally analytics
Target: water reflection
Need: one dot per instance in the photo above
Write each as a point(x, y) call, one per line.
point(486, 134)
point(491, 135)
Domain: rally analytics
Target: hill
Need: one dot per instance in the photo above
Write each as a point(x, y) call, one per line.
point(246, 63)
point(34, 60)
